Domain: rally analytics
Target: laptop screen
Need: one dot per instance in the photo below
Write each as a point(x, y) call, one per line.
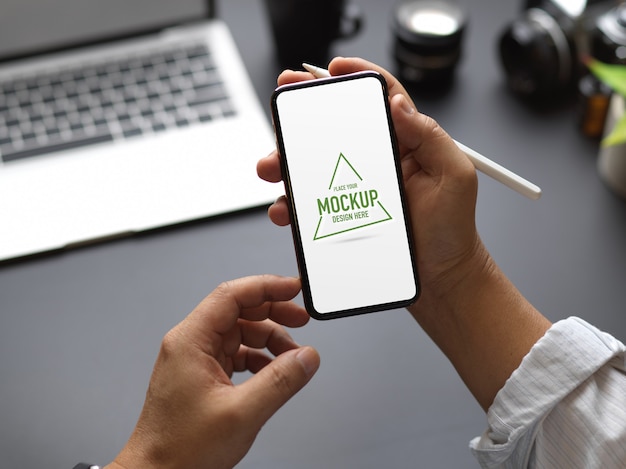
point(31, 26)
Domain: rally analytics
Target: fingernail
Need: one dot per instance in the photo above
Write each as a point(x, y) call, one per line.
point(309, 359)
point(406, 106)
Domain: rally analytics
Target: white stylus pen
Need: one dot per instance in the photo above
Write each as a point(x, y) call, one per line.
point(481, 163)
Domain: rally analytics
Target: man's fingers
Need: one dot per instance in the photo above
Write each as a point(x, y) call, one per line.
point(418, 132)
point(293, 76)
point(266, 335)
point(285, 313)
point(421, 139)
point(279, 212)
point(219, 311)
point(343, 66)
point(250, 359)
point(261, 335)
point(268, 390)
point(268, 168)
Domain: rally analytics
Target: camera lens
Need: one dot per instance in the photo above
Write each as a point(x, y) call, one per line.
point(608, 42)
point(536, 56)
point(428, 38)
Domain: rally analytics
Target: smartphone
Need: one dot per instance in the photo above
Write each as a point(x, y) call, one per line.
point(341, 169)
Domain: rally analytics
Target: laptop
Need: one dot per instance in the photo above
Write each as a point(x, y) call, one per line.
point(121, 116)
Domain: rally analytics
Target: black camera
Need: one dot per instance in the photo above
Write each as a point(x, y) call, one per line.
point(541, 50)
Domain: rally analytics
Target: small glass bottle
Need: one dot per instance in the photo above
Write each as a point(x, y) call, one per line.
point(608, 45)
point(593, 97)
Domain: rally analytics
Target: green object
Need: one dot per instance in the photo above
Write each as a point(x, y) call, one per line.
point(617, 135)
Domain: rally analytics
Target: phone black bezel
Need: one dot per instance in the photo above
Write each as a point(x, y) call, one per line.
point(295, 230)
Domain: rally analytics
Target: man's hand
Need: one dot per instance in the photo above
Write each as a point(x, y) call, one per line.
point(467, 305)
point(193, 416)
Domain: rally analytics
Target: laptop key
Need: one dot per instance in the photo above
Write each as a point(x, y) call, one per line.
point(158, 127)
point(182, 122)
point(204, 116)
point(202, 99)
point(10, 155)
point(132, 132)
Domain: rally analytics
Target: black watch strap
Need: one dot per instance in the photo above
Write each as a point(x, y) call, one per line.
point(83, 465)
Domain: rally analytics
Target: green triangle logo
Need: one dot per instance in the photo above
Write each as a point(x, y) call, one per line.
point(349, 204)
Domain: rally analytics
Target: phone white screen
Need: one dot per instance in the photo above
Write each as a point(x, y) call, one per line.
point(343, 183)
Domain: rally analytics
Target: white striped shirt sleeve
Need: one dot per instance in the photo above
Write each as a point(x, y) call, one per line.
point(564, 407)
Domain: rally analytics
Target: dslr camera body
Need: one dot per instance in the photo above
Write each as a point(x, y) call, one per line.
point(541, 50)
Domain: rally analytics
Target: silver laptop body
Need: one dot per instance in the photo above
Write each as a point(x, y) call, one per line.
point(122, 135)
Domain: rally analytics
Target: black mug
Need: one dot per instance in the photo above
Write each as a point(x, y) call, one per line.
point(304, 30)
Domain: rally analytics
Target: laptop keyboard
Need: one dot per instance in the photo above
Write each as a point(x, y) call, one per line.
point(115, 100)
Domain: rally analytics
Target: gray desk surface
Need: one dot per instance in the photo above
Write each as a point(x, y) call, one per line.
point(79, 331)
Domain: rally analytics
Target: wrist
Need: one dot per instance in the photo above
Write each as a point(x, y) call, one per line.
point(447, 288)
point(482, 319)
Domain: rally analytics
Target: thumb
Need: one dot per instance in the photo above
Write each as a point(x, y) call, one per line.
point(268, 390)
point(425, 140)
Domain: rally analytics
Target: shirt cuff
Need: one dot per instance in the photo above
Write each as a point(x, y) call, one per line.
point(570, 352)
